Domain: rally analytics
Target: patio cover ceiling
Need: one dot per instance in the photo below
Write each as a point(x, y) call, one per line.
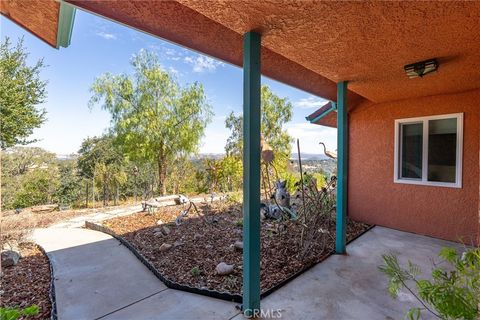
point(37, 16)
point(312, 45)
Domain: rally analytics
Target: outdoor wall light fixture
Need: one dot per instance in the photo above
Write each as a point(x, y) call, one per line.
point(419, 69)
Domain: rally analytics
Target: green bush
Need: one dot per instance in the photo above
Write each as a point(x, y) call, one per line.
point(196, 272)
point(453, 292)
point(15, 313)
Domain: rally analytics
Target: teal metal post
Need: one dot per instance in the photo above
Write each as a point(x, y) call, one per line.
point(342, 167)
point(251, 173)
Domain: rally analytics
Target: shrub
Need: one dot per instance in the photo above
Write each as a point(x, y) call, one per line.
point(196, 272)
point(15, 313)
point(453, 292)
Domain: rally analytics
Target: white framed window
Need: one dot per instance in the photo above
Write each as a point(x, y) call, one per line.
point(428, 150)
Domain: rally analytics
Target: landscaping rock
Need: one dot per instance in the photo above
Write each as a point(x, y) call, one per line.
point(159, 222)
point(10, 258)
point(158, 234)
point(177, 243)
point(238, 245)
point(165, 247)
point(165, 230)
point(223, 269)
point(157, 230)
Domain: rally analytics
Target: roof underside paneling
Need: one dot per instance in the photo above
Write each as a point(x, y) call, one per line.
point(366, 42)
point(175, 22)
point(308, 44)
point(40, 17)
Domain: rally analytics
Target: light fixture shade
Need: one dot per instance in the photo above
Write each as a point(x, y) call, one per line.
point(419, 69)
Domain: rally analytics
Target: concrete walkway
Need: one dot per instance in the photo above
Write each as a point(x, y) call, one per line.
point(79, 221)
point(346, 287)
point(96, 277)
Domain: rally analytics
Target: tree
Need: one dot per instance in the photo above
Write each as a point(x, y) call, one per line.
point(276, 112)
point(21, 91)
point(101, 161)
point(69, 190)
point(29, 177)
point(154, 118)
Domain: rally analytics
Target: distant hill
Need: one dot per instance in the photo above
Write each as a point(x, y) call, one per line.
point(309, 156)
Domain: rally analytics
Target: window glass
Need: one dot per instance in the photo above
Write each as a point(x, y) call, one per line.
point(412, 144)
point(442, 150)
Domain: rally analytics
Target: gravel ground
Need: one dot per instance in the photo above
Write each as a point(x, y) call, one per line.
point(28, 282)
point(202, 241)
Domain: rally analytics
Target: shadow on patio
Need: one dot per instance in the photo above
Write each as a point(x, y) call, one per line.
point(97, 277)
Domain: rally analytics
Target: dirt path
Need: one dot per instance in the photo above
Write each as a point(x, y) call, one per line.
point(79, 221)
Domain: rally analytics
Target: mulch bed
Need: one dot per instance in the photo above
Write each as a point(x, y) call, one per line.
point(201, 242)
point(28, 282)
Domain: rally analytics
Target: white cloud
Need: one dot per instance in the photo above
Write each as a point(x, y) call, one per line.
point(202, 64)
point(166, 53)
point(106, 35)
point(310, 135)
point(310, 103)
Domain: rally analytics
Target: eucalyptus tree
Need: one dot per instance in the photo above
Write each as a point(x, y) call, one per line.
point(154, 118)
point(21, 92)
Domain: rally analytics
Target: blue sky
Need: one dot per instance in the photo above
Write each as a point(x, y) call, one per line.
point(99, 46)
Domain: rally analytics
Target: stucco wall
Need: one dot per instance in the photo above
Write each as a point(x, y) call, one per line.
point(446, 213)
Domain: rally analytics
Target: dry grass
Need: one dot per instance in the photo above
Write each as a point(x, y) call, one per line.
point(16, 228)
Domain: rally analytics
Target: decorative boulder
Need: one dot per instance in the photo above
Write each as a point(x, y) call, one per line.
point(238, 245)
point(10, 258)
point(223, 269)
point(166, 230)
point(164, 247)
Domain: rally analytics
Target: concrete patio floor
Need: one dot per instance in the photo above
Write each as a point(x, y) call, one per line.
point(98, 278)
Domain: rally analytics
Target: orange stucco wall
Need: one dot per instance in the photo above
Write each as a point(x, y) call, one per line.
point(446, 213)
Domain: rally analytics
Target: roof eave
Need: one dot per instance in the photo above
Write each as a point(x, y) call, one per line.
point(66, 18)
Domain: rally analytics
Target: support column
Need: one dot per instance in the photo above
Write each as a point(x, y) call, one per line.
point(342, 167)
point(251, 173)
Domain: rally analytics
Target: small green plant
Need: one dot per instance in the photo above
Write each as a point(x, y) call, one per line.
point(15, 313)
point(234, 197)
point(453, 292)
point(239, 223)
point(196, 272)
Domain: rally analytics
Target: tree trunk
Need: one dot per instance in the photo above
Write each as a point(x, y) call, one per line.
point(115, 199)
point(104, 190)
point(162, 175)
point(86, 194)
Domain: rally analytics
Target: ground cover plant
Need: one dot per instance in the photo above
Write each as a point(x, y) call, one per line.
point(453, 291)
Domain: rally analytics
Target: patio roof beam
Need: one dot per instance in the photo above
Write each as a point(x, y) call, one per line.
point(342, 167)
point(251, 173)
point(66, 17)
point(332, 107)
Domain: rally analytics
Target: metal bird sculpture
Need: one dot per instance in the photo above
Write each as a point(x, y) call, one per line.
point(267, 151)
point(329, 154)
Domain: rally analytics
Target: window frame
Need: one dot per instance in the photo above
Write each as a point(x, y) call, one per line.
point(425, 123)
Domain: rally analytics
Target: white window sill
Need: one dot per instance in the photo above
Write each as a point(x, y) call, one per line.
point(429, 183)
